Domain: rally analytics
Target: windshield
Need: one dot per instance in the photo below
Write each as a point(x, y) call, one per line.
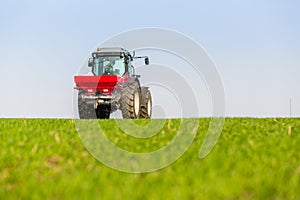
point(108, 65)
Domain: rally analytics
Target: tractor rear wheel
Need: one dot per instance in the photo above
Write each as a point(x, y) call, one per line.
point(86, 111)
point(146, 104)
point(131, 101)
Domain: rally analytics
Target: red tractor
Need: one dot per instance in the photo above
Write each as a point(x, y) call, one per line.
point(112, 85)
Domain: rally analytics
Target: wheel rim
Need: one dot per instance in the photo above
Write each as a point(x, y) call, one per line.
point(136, 103)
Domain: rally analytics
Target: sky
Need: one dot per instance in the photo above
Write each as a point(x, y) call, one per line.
point(255, 45)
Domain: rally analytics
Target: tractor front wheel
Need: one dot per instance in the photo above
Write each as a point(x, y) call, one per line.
point(103, 112)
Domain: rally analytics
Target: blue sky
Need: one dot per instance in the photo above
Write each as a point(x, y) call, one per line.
point(255, 45)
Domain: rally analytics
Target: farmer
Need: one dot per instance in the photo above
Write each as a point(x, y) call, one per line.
point(109, 69)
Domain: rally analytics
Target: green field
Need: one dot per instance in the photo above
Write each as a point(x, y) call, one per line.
point(253, 159)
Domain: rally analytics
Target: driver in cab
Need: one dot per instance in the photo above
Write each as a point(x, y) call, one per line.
point(109, 68)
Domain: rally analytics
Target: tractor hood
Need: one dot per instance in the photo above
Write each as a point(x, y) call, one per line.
point(103, 84)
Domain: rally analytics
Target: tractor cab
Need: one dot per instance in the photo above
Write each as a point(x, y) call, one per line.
point(108, 65)
point(112, 62)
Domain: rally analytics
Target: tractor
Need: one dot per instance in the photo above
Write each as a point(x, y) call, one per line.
point(112, 85)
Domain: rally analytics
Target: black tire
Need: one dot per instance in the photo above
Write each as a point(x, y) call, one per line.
point(103, 112)
point(146, 104)
point(86, 111)
point(131, 101)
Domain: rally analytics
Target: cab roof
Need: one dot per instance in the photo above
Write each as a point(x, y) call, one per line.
point(110, 51)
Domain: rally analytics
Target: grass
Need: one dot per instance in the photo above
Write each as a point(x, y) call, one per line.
point(253, 159)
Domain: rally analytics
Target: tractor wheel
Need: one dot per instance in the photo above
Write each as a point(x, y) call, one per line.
point(86, 111)
point(146, 104)
point(103, 112)
point(131, 101)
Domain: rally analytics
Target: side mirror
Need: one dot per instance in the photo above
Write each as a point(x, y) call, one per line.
point(91, 62)
point(146, 61)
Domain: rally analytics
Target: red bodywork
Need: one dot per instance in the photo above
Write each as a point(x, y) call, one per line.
point(103, 84)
